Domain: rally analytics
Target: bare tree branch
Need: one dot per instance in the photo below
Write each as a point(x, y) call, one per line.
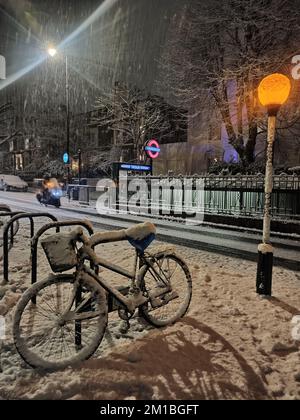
point(134, 117)
point(224, 48)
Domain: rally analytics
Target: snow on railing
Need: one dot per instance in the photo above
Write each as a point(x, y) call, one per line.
point(233, 182)
point(238, 195)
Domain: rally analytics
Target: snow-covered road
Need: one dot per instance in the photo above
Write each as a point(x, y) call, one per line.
point(234, 243)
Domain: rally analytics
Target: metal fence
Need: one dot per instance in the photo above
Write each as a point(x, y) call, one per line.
point(229, 195)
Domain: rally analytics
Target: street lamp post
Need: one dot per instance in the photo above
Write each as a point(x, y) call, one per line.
point(67, 117)
point(52, 52)
point(79, 165)
point(273, 92)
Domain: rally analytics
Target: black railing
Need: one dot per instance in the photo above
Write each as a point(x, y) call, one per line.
point(240, 195)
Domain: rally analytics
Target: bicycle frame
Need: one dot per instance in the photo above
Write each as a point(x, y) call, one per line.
point(136, 298)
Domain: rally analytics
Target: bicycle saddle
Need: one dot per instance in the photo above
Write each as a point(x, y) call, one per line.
point(140, 231)
point(138, 235)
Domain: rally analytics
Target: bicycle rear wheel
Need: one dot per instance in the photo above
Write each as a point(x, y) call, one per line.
point(65, 326)
point(168, 284)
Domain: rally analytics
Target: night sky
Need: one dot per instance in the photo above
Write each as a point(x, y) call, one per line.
point(125, 44)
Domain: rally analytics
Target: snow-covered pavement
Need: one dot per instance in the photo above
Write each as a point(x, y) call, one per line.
point(231, 344)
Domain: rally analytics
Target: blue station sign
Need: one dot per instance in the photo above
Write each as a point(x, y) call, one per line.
point(66, 158)
point(140, 168)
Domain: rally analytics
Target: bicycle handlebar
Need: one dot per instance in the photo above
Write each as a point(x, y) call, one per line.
point(105, 237)
point(81, 237)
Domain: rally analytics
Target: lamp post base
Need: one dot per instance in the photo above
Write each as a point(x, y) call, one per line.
point(264, 270)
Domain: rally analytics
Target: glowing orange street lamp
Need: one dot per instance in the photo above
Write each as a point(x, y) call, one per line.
point(273, 91)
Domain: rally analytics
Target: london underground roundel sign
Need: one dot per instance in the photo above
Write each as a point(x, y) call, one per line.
point(152, 149)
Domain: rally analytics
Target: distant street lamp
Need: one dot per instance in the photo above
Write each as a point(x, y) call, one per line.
point(273, 92)
point(78, 157)
point(52, 52)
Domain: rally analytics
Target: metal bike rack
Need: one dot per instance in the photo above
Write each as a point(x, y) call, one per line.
point(9, 225)
point(12, 233)
point(34, 245)
point(5, 208)
point(42, 230)
point(112, 305)
point(4, 211)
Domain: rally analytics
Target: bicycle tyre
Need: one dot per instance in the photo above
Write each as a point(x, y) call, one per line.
point(153, 315)
point(30, 356)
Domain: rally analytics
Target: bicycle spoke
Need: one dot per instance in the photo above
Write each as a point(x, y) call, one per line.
point(167, 273)
point(41, 333)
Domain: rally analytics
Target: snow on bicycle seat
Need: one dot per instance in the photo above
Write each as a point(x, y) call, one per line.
point(140, 231)
point(136, 233)
point(140, 236)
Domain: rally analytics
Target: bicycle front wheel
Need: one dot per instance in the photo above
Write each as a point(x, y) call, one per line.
point(167, 283)
point(64, 326)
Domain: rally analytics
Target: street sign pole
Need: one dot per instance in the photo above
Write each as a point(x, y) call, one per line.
point(79, 164)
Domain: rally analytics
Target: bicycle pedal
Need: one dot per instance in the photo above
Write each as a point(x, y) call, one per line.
point(163, 300)
point(170, 296)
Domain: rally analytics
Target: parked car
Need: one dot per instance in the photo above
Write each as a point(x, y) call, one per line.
point(12, 182)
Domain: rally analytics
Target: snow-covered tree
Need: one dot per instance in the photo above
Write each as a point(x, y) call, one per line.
point(223, 48)
point(134, 117)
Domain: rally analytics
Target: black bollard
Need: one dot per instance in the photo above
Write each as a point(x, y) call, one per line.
point(264, 271)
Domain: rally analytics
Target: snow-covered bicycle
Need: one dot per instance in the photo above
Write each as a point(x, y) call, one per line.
point(61, 320)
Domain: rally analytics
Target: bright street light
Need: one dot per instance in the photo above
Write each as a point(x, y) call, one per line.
point(273, 91)
point(52, 51)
